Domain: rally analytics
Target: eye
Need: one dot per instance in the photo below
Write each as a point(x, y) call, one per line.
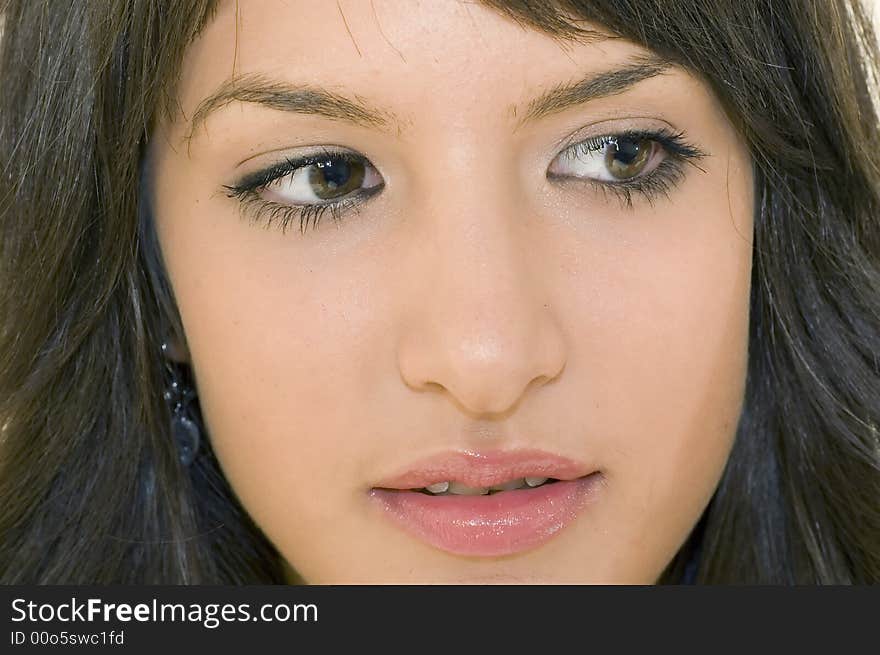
point(307, 187)
point(609, 158)
point(650, 164)
point(327, 179)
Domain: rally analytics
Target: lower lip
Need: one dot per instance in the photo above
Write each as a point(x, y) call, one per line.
point(493, 525)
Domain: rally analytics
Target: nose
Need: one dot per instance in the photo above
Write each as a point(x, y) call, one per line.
point(480, 324)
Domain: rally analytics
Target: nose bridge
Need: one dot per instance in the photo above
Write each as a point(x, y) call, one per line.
point(479, 320)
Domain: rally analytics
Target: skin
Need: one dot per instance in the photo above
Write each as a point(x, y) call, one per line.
point(473, 304)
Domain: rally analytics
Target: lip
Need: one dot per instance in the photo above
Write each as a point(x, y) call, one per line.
point(494, 525)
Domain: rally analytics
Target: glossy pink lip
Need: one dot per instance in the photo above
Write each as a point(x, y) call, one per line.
point(494, 525)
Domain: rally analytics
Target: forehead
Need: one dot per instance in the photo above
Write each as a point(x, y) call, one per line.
point(403, 55)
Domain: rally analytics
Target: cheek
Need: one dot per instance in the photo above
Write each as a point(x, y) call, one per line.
point(284, 356)
point(669, 355)
point(674, 380)
point(285, 344)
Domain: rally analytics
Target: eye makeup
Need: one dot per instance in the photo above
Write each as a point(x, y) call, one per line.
point(249, 192)
point(660, 181)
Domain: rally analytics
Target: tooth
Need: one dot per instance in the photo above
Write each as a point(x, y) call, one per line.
point(534, 482)
point(438, 487)
point(507, 486)
point(463, 490)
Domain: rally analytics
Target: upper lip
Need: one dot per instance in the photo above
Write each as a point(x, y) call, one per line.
point(484, 468)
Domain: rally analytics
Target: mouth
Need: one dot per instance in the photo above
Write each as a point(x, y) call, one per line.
point(488, 504)
point(455, 488)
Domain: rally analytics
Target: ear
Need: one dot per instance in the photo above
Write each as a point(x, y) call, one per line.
point(175, 350)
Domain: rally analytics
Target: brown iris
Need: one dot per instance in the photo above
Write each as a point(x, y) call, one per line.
point(336, 177)
point(625, 158)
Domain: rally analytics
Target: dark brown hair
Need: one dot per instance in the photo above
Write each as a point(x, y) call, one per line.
point(91, 490)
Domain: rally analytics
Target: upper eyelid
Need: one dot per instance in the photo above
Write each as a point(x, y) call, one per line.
point(675, 142)
point(606, 127)
point(285, 166)
point(572, 140)
point(301, 151)
point(614, 126)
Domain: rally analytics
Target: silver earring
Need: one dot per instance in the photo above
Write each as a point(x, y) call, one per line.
point(180, 394)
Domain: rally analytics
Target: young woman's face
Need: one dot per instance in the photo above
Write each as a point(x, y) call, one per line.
point(530, 275)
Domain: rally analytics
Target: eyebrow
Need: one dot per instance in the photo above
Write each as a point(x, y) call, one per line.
point(300, 99)
point(318, 101)
point(596, 85)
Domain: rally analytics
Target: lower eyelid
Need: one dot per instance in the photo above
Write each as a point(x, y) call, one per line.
point(662, 179)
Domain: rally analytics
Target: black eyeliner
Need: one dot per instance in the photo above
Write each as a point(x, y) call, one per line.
point(265, 177)
point(247, 191)
point(660, 182)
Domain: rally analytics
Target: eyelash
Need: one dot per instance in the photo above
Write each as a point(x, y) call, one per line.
point(248, 190)
point(661, 181)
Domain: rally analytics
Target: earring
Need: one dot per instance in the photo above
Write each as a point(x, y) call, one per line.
point(179, 394)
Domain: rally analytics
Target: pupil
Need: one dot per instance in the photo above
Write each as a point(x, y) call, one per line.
point(335, 177)
point(627, 151)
